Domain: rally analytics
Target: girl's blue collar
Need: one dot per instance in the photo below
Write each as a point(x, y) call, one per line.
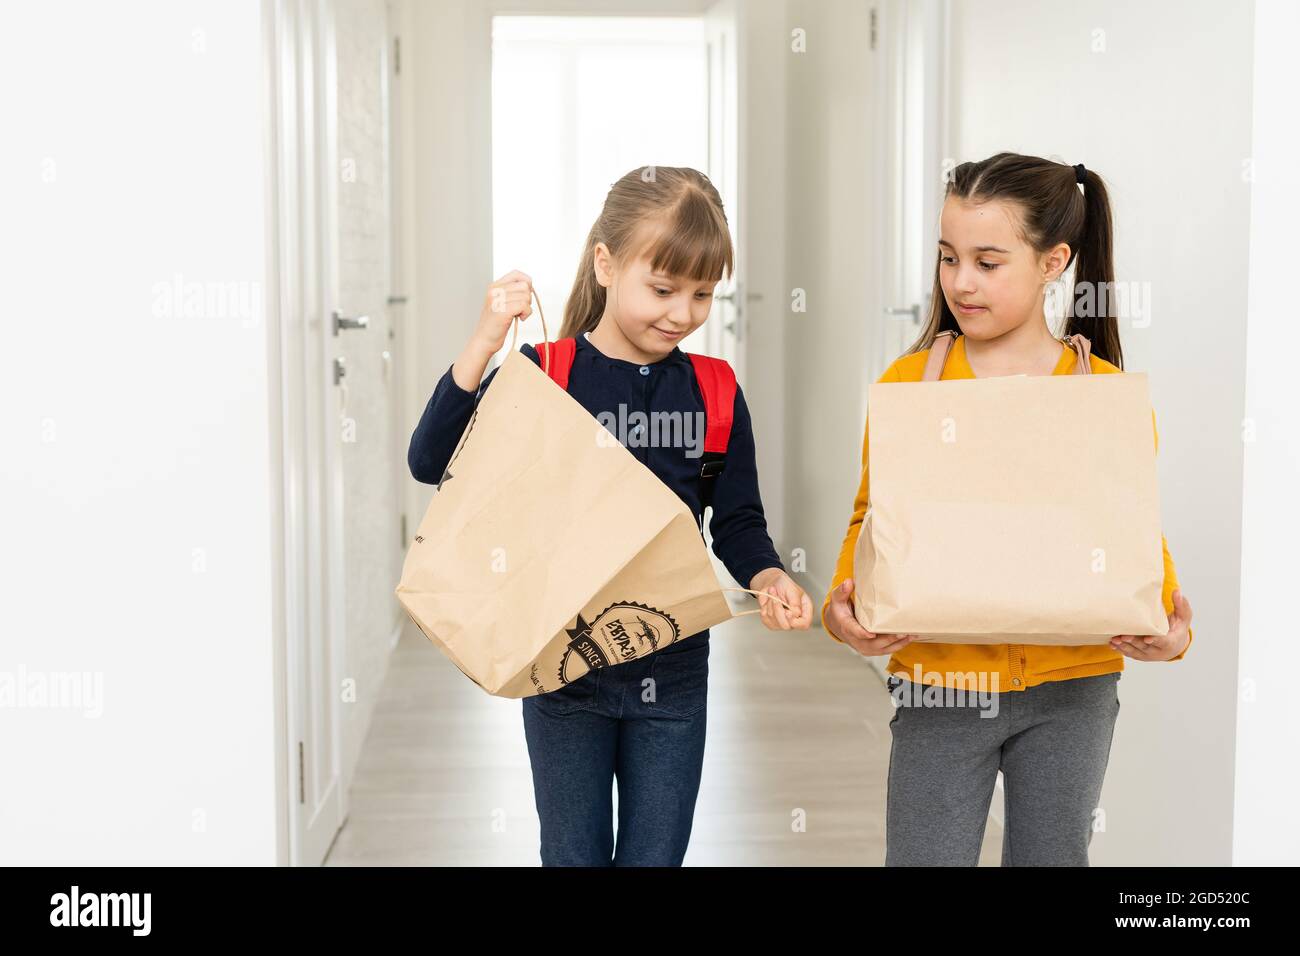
point(673, 357)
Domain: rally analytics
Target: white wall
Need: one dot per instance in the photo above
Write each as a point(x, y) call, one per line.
point(134, 490)
point(763, 62)
point(1169, 135)
point(1265, 830)
point(446, 86)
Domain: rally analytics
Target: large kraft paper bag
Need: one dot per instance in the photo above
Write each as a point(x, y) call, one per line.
point(548, 549)
point(1018, 509)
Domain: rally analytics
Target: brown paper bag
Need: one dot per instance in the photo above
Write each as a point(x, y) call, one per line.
point(549, 549)
point(1021, 509)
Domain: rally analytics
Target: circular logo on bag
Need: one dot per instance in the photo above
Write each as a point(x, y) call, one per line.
point(622, 632)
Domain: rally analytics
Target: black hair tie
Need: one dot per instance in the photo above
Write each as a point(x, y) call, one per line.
point(1080, 174)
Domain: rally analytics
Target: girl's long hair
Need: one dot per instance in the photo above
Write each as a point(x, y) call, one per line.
point(1052, 210)
point(672, 213)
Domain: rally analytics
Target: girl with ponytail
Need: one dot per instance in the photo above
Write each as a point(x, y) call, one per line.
point(1010, 228)
point(644, 283)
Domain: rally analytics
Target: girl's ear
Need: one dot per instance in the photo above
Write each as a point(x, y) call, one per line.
point(1054, 261)
point(603, 263)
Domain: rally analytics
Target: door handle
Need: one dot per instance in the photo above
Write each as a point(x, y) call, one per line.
point(342, 321)
point(732, 297)
point(736, 296)
point(913, 310)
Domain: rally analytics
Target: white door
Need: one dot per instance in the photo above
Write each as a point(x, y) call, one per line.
point(910, 110)
point(724, 332)
point(300, 76)
point(366, 341)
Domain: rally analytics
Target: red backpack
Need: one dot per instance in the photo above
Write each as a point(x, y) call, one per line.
point(717, 382)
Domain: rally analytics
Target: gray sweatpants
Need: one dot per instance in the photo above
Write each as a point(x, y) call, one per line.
point(1051, 742)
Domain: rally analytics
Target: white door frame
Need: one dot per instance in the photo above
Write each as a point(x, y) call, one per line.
point(307, 540)
point(400, 290)
point(726, 330)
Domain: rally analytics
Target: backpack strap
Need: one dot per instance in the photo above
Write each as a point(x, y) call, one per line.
point(557, 360)
point(717, 381)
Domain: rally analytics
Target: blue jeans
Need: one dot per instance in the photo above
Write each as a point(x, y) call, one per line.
point(641, 724)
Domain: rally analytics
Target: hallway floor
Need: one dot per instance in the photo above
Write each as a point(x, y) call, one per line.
point(795, 722)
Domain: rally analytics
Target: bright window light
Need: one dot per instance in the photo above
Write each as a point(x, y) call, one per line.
point(576, 103)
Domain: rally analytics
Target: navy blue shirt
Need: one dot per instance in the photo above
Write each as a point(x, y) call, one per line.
point(601, 385)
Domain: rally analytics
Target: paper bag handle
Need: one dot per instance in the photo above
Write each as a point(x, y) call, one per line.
point(546, 337)
point(759, 610)
point(943, 342)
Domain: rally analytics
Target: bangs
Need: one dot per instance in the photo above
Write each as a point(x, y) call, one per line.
point(690, 241)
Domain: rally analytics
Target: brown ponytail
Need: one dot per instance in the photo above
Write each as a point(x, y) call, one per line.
point(674, 215)
point(1053, 210)
point(1092, 308)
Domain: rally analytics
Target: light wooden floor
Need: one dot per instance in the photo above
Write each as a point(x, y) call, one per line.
point(796, 722)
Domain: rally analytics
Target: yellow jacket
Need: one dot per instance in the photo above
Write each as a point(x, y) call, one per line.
point(1017, 666)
